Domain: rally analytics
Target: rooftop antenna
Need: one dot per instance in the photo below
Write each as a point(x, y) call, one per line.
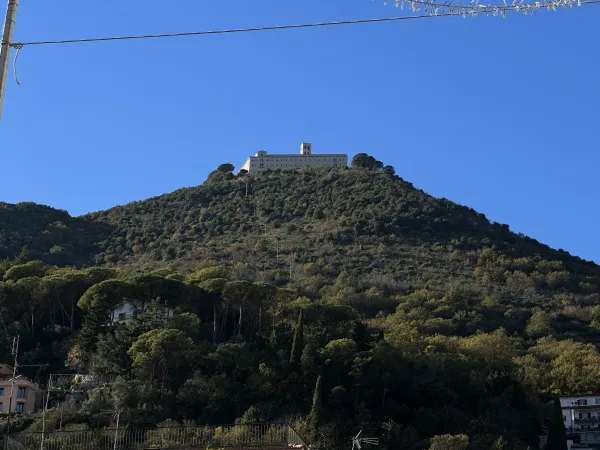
point(15, 352)
point(358, 442)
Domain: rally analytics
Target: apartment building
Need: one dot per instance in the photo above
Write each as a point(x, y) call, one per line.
point(262, 161)
point(581, 416)
point(26, 395)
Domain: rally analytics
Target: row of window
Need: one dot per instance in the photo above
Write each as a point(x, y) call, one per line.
point(285, 165)
point(20, 392)
point(313, 158)
point(19, 408)
point(584, 402)
point(583, 415)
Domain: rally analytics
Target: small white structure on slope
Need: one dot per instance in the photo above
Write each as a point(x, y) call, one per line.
point(130, 308)
point(262, 161)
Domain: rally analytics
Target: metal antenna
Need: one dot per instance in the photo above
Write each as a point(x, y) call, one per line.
point(15, 352)
point(358, 442)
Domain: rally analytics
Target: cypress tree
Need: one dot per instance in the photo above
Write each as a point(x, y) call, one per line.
point(557, 436)
point(298, 342)
point(309, 359)
point(314, 418)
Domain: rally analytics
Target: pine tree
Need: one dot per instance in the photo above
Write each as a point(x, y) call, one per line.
point(298, 342)
point(557, 436)
point(314, 417)
point(24, 255)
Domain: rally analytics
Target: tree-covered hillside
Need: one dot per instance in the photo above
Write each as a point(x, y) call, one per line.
point(335, 299)
point(310, 212)
point(28, 230)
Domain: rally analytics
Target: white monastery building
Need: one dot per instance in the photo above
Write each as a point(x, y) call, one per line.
point(261, 161)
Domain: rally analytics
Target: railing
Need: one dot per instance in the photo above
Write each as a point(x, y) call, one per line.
point(588, 437)
point(592, 419)
point(213, 437)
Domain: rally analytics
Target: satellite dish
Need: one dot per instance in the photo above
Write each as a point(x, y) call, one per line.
point(358, 442)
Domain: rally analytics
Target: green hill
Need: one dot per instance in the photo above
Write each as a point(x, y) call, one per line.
point(306, 211)
point(420, 316)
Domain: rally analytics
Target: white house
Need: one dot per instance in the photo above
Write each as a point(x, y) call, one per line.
point(262, 161)
point(130, 308)
point(581, 416)
point(581, 412)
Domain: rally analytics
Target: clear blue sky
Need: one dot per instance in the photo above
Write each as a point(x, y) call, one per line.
point(497, 114)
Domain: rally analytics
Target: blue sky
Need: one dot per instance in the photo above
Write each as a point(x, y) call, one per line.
point(497, 114)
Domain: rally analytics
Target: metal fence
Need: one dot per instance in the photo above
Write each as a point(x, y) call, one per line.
point(213, 437)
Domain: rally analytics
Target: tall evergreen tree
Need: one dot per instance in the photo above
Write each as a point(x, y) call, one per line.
point(298, 342)
point(557, 435)
point(315, 415)
point(309, 360)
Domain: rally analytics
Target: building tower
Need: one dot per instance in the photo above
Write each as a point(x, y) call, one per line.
point(306, 149)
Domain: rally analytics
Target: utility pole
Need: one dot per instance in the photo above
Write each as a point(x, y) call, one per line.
point(16, 365)
point(7, 34)
point(15, 352)
point(50, 385)
point(44, 415)
point(117, 430)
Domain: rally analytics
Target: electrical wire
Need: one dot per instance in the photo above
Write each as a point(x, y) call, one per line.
point(230, 31)
point(450, 10)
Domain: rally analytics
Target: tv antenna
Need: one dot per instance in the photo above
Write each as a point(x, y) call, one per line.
point(358, 442)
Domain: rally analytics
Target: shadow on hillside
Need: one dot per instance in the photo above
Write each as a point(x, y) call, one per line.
point(51, 235)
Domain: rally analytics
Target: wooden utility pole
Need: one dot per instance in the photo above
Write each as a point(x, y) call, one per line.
point(7, 34)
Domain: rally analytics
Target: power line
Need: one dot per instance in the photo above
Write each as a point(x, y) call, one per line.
point(229, 31)
point(432, 9)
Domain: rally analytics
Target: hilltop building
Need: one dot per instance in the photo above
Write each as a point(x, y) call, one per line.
point(26, 395)
point(262, 161)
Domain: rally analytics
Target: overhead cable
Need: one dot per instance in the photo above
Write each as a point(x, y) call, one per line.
point(431, 7)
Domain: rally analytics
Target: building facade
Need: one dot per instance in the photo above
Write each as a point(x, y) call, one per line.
point(581, 416)
point(26, 395)
point(130, 308)
point(262, 161)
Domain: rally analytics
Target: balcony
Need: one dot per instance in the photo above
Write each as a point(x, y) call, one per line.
point(587, 421)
